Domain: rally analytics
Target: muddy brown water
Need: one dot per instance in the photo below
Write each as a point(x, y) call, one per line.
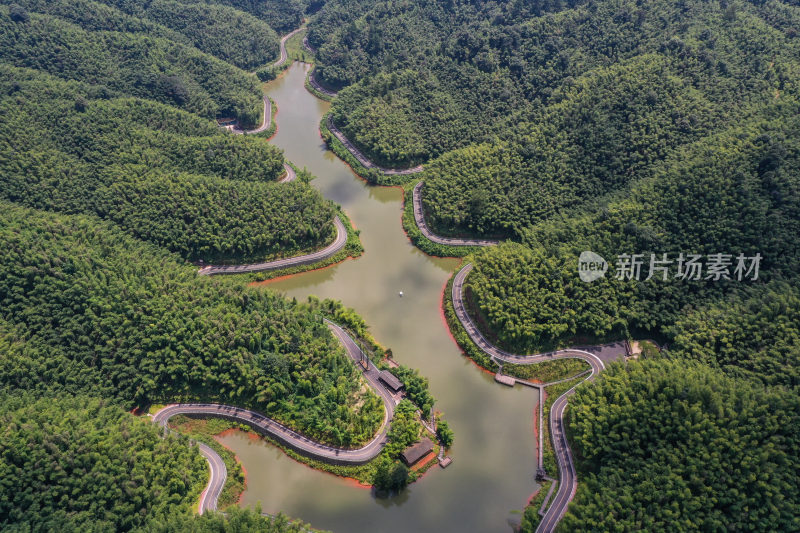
point(493, 469)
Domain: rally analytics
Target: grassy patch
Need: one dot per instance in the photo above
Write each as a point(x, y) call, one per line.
point(295, 49)
point(530, 517)
point(547, 371)
point(154, 408)
point(649, 349)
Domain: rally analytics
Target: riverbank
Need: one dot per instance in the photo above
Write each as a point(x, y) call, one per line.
point(489, 421)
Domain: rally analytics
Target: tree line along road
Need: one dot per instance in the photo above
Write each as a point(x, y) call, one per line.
point(594, 355)
point(419, 218)
point(286, 436)
point(332, 249)
point(364, 160)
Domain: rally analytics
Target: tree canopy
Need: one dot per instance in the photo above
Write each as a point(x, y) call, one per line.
point(134, 323)
point(114, 173)
point(78, 463)
point(666, 445)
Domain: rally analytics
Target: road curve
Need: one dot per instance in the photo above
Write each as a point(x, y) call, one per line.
point(218, 472)
point(284, 435)
point(291, 175)
point(568, 477)
point(315, 84)
point(216, 480)
point(363, 159)
point(568, 482)
point(419, 217)
point(339, 243)
point(284, 55)
point(266, 121)
point(595, 362)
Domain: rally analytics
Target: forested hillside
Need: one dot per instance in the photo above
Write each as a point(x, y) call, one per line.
point(133, 64)
point(459, 73)
point(666, 446)
point(133, 323)
point(740, 199)
point(114, 173)
point(163, 175)
point(75, 464)
point(619, 127)
point(283, 15)
point(607, 126)
point(224, 32)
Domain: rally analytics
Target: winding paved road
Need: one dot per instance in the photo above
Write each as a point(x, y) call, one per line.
point(216, 481)
point(291, 175)
point(419, 216)
point(266, 121)
point(313, 82)
point(319, 255)
point(363, 159)
point(218, 472)
point(284, 55)
point(594, 355)
point(366, 162)
point(288, 437)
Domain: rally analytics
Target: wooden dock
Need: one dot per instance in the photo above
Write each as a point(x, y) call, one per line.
point(505, 380)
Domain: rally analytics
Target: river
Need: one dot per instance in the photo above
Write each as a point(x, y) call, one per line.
point(494, 455)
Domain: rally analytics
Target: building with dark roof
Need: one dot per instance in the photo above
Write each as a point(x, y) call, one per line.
point(414, 453)
point(391, 381)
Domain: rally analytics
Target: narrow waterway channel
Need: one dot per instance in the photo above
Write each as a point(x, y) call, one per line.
point(493, 467)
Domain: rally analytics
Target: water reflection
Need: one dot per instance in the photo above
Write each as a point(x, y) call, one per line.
point(493, 468)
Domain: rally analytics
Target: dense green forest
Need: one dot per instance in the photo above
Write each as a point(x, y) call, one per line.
point(75, 463)
point(744, 199)
point(132, 64)
point(754, 334)
point(619, 127)
point(423, 78)
point(235, 520)
point(133, 323)
point(79, 464)
point(208, 27)
point(231, 35)
point(671, 446)
point(164, 175)
point(282, 15)
point(114, 174)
